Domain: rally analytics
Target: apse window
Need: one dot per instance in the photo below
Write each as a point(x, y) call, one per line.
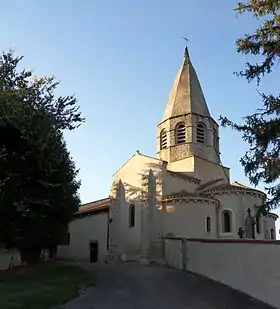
point(227, 221)
point(68, 239)
point(272, 234)
point(258, 224)
point(131, 215)
point(208, 225)
point(180, 133)
point(163, 140)
point(200, 132)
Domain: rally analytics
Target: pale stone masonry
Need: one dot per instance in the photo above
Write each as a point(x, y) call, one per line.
point(184, 191)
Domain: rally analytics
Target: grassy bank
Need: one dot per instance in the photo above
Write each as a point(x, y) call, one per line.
point(41, 287)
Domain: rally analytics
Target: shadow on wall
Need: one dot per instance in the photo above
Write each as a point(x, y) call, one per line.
point(151, 182)
point(146, 194)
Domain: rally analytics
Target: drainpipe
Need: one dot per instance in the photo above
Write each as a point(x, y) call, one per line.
point(184, 254)
point(217, 222)
point(108, 230)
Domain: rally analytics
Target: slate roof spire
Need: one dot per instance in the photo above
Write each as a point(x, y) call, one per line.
point(186, 95)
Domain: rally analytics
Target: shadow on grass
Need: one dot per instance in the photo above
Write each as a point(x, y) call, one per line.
point(42, 287)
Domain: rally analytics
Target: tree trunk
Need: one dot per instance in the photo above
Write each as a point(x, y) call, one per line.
point(53, 251)
point(30, 256)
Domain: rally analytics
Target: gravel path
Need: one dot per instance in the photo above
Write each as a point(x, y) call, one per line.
point(131, 286)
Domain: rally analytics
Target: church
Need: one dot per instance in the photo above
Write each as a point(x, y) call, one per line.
point(184, 191)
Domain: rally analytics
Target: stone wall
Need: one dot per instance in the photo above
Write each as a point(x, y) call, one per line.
point(173, 253)
point(9, 258)
point(251, 266)
point(139, 183)
point(83, 231)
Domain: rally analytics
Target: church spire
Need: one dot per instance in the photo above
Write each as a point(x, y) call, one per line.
point(186, 95)
point(187, 129)
point(187, 52)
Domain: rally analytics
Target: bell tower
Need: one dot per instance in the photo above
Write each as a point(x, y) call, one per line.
point(187, 129)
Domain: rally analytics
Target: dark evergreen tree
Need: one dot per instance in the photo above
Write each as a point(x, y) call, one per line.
point(261, 130)
point(38, 186)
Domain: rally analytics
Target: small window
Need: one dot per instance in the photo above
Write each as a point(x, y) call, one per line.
point(68, 239)
point(227, 221)
point(200, 132)
point(180, 133)
point(215, 140)
point(163, 139)
point(258, 224)
point(272, 234)
point(131, 215)
point(208, 225)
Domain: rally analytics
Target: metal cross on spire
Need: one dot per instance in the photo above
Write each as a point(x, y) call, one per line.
point(186, 48)
point(186, 39)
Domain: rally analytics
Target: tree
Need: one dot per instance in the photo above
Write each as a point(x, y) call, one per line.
point(38, 186)
point(261, 130)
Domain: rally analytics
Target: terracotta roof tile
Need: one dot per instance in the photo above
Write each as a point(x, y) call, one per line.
point(238, 184)
point(234, 186)
point(94, 206)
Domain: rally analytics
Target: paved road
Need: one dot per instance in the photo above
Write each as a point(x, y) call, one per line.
point(131, 286)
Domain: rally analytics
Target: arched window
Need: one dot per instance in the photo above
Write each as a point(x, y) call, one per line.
point(180, 133)
point(272, 234)
point(258, 224)
point(200, 132)
point(131, 215)
point(163, 139)
point(68, 239)
point(208, 224)
point(227, 221)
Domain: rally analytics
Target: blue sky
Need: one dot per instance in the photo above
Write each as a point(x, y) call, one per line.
point(119, 57)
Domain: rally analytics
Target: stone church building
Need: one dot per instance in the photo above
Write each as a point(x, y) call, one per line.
point(184, 191)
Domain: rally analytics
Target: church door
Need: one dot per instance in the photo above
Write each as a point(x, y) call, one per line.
point(93, 252)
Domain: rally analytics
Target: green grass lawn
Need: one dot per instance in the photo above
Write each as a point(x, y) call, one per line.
point(41, 287)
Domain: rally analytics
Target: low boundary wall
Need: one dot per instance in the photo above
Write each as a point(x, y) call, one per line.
point(9, 259)
point(250, 266)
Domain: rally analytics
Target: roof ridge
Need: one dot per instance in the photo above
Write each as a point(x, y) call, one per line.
point(124, 164)
point(95, 206)
point(103, 199)
point(148, 156)
point(230, 186)
point(185, 176)
point(209, 183)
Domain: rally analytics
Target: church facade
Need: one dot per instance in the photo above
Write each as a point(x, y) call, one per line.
point(184, 191)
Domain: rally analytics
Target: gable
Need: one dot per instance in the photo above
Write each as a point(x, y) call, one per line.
point(137, 168)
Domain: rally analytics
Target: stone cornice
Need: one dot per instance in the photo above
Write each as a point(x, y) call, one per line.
point(229, 189)
point(224, 240)
point(188, 197)
point(272, 215)
point(190, 115)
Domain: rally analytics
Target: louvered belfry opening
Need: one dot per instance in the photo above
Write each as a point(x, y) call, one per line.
point(163, 140)
point(190, 129)
point(180, 133)
point(200, 133)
